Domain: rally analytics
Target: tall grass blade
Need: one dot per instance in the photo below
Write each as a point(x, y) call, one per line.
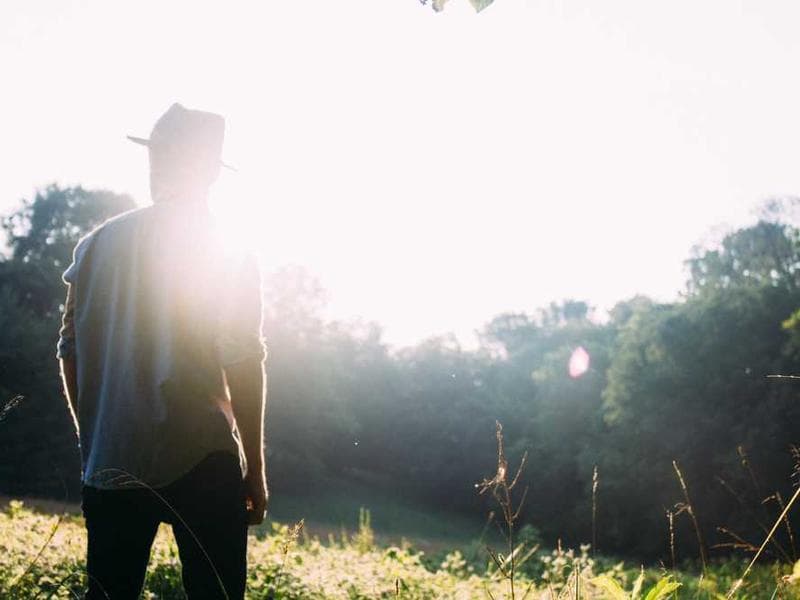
point(738, 583)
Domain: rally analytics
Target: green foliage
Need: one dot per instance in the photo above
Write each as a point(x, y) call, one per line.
point(688, 383)
point(612, 590)
point(42, 233)
point(762, 255)
point(662, 589)
point(364, 539)
point(280, 566)
point(682, 381)
point(284, 565)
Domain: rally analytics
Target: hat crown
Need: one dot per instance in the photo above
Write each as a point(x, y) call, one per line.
point(181, 128)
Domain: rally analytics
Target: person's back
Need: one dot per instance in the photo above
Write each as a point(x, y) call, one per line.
point(160, 320)
point(149, 293)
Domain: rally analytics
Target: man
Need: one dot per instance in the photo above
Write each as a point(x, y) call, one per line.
point(163, 367)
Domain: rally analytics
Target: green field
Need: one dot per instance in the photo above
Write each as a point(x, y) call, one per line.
point(335, 504)
point(42, 545)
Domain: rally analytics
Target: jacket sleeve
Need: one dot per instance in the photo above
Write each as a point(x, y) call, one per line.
point(66, 335)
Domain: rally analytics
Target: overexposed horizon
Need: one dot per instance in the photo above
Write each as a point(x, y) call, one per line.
point(434, 170)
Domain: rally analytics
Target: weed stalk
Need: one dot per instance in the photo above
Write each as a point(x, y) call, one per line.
point(689, 508)
point(501, 490)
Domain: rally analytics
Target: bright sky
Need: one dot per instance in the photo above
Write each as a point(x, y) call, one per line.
point(432, 169)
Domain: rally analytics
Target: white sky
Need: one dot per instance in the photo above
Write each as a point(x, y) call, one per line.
point(432, 169)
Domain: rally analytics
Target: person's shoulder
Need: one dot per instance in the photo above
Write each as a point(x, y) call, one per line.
point(114, 224)
point(129, 218)
point(88, 240)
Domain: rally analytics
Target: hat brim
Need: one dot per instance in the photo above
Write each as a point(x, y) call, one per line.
point(146, 142)
point(138, 140)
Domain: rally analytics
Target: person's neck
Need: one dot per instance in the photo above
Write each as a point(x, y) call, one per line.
point(182, 197)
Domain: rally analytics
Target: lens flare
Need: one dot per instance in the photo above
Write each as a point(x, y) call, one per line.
point(578, 362)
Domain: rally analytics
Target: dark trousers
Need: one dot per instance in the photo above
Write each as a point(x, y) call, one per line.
point(206, 508)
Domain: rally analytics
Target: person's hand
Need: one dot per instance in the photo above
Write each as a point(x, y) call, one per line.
point(256, 495)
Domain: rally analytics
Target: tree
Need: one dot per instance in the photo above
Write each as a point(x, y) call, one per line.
point(42, 234)
point(37, 437)
point(767, 253)
point(688, 382)
point(556, 418)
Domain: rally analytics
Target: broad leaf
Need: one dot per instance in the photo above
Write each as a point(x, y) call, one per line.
point(611, 589)
point(479, 5)
point(662, 589)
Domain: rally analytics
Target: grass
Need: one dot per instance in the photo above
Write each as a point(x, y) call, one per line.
point(358, 565)
point(324, 546)
point(336, 507)
point(281, 564)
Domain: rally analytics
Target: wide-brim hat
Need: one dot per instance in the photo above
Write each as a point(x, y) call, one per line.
point(184, 130)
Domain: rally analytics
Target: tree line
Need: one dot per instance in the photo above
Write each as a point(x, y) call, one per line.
point(672, 386)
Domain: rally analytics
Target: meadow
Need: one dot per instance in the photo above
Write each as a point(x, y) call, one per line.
point(42, 545)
